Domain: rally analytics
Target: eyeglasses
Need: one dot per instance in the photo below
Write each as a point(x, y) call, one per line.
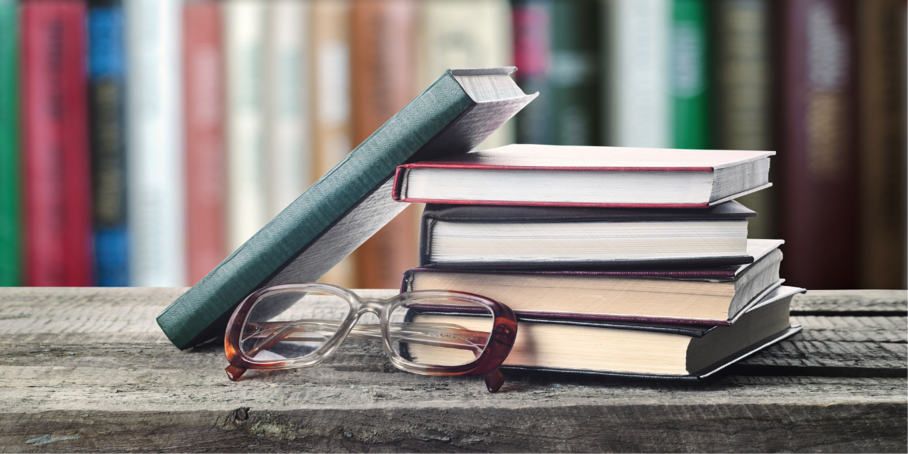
point(426, 332)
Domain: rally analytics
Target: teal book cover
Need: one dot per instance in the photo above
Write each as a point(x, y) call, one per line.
point(10, 268)
point(350, 202)
point(688, 73)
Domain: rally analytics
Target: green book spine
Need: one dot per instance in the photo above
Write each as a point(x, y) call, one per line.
point(344, 207)
point(10, 268)
point(576, 51)
point(689, 74)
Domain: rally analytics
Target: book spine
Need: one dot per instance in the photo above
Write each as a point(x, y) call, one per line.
point(575, 84)
point(10, 193)
point(203, 107)
point(689, 82)
point(106, 103)
point(532, 21)
point(383, 36)
point(465, 34)
point(637, 93)
point(330, 84)
point(881, 37)
point(244, 50)
point(155, 161)
point(289, 147)
point(55, 144)
point(818, 138)
point(741, 75)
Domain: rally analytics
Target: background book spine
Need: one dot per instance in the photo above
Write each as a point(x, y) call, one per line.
point(289, 148)
point(465, 34)
point(688, 73)
point(637, 56)
point(383, 64)
point(575, 87)
point(532, 23)
point(244, 51)
point(881, 37)
point(203, 107)
point(106, 74)
point(10, 192)
point(741, 95)
point(55, 140)
point(818, 142)
point(330, 84)
point(155, 188)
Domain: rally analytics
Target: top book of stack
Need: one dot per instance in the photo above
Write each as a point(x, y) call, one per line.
point(549, 175)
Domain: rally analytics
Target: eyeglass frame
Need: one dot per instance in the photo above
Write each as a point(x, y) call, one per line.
point(501, 337)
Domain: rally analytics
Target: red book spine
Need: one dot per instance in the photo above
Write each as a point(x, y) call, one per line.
point(204, 122)
point(818, 142)
point(57, 205)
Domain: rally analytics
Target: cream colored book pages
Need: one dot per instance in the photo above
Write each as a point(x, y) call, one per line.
point(244, 38)
point(465, 34)
point(637, 94)
point(155, 188)
point(289, 145)
point(330, 100)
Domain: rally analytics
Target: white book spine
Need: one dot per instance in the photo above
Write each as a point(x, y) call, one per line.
point(155, 144)
point(290, 160)
point(466, 34)
point(244, 46)
point(637, 98)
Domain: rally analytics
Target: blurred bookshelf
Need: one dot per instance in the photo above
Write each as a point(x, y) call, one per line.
point(142, 141)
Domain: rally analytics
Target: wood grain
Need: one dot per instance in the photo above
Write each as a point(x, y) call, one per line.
point(92, 364)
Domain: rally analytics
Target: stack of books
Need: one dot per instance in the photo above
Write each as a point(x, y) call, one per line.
point(627, 261)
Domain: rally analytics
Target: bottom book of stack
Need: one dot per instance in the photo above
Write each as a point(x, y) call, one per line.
point(630, 348)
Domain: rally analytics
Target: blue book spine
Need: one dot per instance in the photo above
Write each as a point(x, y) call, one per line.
point(106, 63)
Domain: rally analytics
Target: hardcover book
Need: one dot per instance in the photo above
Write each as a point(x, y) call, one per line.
point(349, 203)
point(10, 191)
point(585, 176)
point(56, 159)
point(489, 237)
point(638, 350)
point(107, 98)
point(711, 296)
point(203, 108)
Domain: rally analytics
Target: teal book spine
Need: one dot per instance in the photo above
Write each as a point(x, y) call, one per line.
point(574, 72)
point(349, 203)
point(10, 184)
point(688, 73)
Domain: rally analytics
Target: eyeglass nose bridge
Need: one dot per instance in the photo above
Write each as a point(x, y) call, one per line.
point(370, 305)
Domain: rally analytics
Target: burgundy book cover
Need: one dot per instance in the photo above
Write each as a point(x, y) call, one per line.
point(818, 155)
point(203, 105)
point(56, 160)
point(383, 68)
point(580, 159)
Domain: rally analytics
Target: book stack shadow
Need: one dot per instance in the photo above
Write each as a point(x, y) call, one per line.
point(617, 261)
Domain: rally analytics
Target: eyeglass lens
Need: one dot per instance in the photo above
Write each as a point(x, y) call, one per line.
point(427, 331)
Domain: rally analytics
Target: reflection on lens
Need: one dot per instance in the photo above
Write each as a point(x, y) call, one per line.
point(440, 332)
point(291, 325)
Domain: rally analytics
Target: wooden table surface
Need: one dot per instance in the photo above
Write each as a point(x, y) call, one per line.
point(87, 369)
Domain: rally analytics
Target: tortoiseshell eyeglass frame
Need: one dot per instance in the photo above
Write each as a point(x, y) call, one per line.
point(500, 340)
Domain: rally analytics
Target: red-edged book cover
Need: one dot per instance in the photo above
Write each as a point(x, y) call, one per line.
point(584, 176)
point(57, 205)
point(204, 122)
point(818, 154)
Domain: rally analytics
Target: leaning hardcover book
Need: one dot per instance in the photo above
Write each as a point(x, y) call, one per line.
point(665, 351)
point(351, 201)
point(714, 296)
point(585, 176)
point(518, 237)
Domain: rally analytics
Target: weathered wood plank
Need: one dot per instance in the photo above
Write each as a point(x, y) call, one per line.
point(894, 302)
point(629, 427)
